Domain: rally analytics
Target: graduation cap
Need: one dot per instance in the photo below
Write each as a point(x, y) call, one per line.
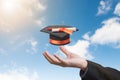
point(59, 34)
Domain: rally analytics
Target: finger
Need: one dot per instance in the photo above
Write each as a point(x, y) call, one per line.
point(64, 50)
point(59, 58)
point(63, 62)
point(52, 58)
point(51, 61)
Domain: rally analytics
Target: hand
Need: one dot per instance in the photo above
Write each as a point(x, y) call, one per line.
point(72, 60)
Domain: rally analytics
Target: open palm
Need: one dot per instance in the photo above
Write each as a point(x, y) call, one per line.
point(71, 60)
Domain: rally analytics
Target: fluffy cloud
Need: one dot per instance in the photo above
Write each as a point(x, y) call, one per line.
point(29, 43)
point(19, 74)
point(105, 6)
point(20, 12)
point(33, 46)
point(81, 49)
point(117, 9)
point(40, 21)
point(109, 33)
point(86, 36)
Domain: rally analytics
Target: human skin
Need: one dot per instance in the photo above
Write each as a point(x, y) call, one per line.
point(71, 60)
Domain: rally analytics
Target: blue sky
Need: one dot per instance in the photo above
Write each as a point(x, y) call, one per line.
point(22, 43)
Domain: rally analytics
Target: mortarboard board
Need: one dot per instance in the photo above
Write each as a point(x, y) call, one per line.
point(59, 34)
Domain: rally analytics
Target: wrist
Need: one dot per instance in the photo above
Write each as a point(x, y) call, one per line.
point(84, 65)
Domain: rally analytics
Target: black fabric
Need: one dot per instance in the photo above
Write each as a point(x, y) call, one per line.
point(59, 36)
point(98, 72)
point(53, 26)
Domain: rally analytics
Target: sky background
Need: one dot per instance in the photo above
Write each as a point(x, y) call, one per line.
point(22, 43)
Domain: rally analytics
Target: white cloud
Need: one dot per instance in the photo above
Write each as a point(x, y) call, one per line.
point(25, 42)
point(41, 7)
point(33, 44)
point(109, 33)
point(40, 22)
point(29, 44)
point(81, 49)
point(86, 36)
point(23, 12)
point(104, 7)
point(19, 74)
point(117, 9)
